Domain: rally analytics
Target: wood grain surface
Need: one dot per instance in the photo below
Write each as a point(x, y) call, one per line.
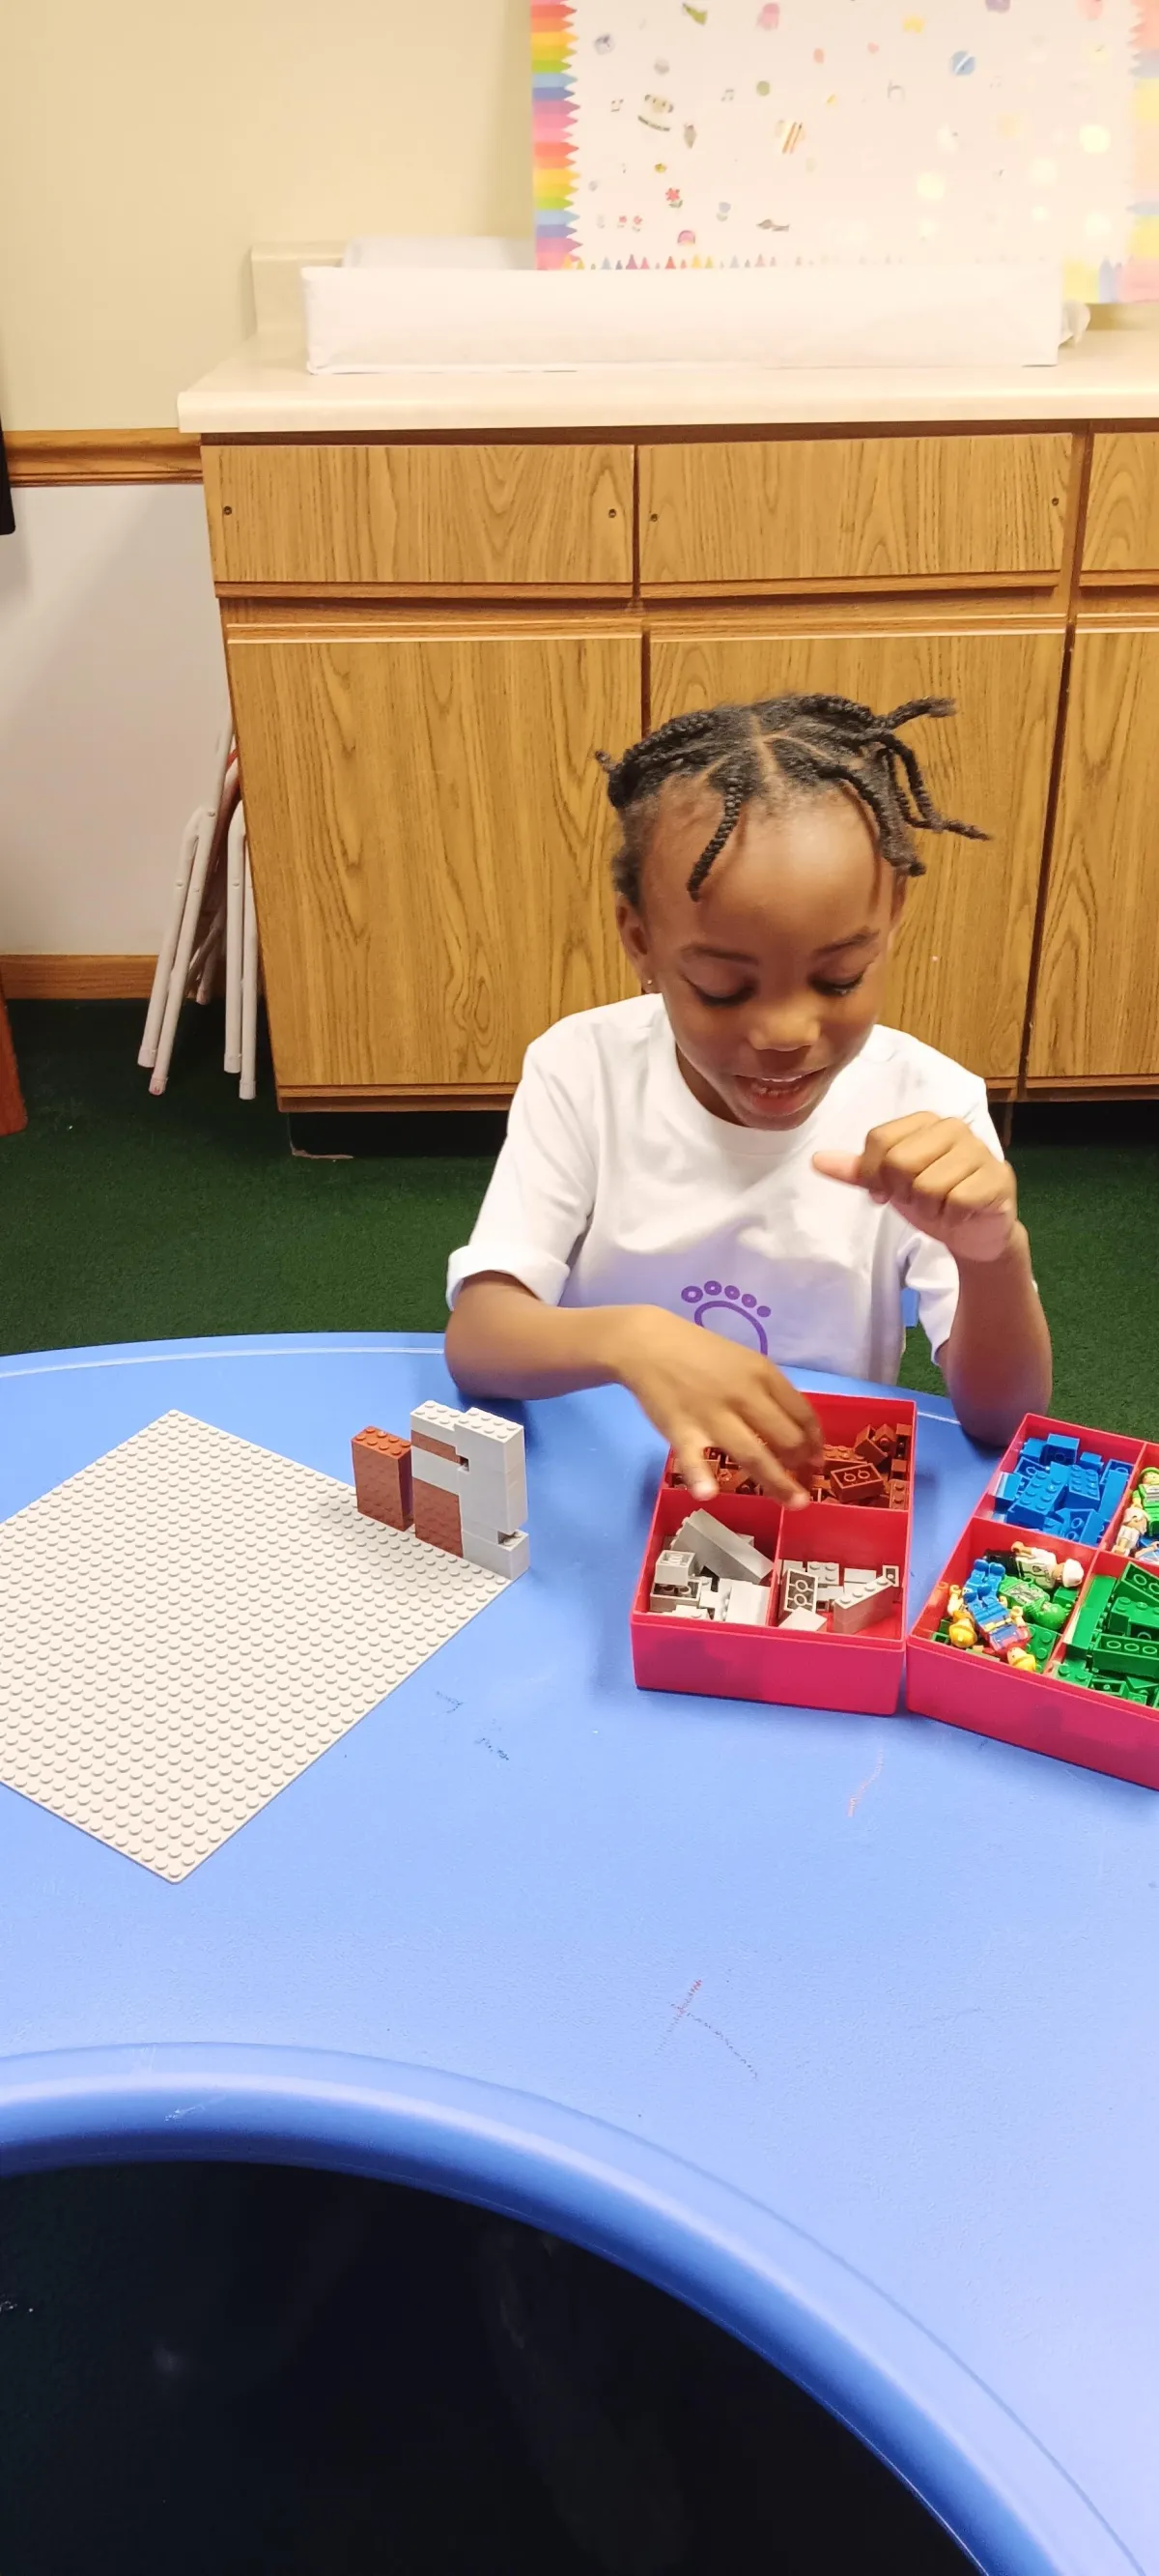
point(962, 961)
point(407, 517)
point(1122, 522)
point(69, 977)
point(430, 842)
point(1096, 1011)
point(102, 456)
point(801, 509)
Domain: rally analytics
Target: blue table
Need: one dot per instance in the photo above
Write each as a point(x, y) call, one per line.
point(845, 2031)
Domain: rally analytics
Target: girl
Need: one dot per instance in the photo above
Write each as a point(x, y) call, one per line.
point(743, 1147)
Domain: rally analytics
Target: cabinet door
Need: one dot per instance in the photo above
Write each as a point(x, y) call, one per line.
point(962, 961)
point(430, 843)
point(1097, 1008)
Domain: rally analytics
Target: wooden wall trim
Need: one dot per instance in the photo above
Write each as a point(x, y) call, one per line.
point(77, 979)
point(102, 456)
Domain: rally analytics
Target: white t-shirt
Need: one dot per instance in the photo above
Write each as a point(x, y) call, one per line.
point(615, 1187)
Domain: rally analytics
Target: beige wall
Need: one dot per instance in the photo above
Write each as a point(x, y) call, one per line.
point(145, 146)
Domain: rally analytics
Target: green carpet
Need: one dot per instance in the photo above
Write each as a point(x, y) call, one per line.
point(126, 1218)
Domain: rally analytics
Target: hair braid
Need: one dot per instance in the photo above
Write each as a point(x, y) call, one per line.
point(811, 743)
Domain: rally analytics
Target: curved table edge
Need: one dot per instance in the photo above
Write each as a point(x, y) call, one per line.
point(751, 2271)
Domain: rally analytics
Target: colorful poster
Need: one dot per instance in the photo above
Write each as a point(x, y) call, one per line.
point(726, 133)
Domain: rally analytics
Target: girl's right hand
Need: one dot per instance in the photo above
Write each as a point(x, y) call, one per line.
point(703, 1392)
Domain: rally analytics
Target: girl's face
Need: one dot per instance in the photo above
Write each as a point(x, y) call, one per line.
point(773, 979)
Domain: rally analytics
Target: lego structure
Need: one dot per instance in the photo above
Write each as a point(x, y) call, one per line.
point(460, 1480)
point(190, 1621)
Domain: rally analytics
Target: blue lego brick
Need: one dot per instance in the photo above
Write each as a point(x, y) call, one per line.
point(1006, 1488)
point(1030, 1449)
point(1083, 1487)
point(1090, 1458)
point(1060, 1448)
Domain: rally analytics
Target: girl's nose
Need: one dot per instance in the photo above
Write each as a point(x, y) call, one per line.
point(784, 1028)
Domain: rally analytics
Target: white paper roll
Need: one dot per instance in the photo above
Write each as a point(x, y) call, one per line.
point(367, 321)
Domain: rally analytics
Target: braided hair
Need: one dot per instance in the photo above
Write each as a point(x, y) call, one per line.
point(811, 743)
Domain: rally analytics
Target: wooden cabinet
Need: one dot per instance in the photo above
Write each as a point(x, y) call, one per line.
point(384, 518)
point(759, 514)
point(963, 954)
point(430, 842)
point(1121, 536)
point(1096, 1016)
point(430, 638)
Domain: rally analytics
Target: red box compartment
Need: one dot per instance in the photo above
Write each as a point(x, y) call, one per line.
point(1072, 1723)
point(861, 1672)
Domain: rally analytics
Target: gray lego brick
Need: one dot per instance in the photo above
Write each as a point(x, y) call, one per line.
point(189, 1622)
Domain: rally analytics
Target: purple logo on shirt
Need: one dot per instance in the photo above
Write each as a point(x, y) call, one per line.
point(746, 1320)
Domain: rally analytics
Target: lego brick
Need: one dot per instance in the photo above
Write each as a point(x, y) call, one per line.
point(744, 1604)
point(430, 1468)
point(807, 1622)
point(432, 1427)
point(220, 1617)
point(826, 1573)
point(856, 1482)
point(437, 1519)
point(797, 1591)
point(865, 1610)
point(506, 1556)
point(673, 1570)
point(491, 1459)
point(721, 1550)
point(382, 1477)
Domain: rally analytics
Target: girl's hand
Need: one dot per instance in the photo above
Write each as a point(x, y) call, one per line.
point(705, 1393)
point(940, 1177)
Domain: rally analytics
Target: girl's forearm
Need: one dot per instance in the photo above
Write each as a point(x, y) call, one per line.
point(501, 1340)
point(997, 1361)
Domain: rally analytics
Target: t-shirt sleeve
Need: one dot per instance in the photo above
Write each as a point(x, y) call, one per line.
point(926, 1267)
point(539, 1202)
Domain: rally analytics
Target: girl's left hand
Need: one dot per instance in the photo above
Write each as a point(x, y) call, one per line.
point(940, 1177)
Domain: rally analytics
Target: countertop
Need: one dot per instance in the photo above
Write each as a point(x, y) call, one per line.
point(1112, 375)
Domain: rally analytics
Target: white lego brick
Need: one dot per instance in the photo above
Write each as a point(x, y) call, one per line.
point(744, 1605)
point(219, 1617)
point(719, 1550)
point(507, 1556)
point(663, 1602)
point(808, 1621)
point(864, 1609)
point(798, 1591)
point(439, 1421)
point(493, 1490)
point(477, 1432)
point(673, 1570)
point(428, 1469)
point(825, 1573)
point(857, 1578)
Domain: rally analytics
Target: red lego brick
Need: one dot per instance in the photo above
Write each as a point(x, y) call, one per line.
point(438, 1448)
point(382, 1477)
point(437, 1517)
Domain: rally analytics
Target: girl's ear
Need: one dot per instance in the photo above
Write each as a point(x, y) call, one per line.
point(634, 937)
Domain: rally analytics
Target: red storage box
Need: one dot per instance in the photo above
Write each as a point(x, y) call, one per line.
point(1068, 1719)
point(861, 1672)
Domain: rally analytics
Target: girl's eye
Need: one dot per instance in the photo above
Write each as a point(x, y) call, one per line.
point(720, 1001)
point(838, 991)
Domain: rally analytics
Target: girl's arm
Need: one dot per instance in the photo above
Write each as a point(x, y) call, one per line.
point(701, 1391)
point(944, 1180)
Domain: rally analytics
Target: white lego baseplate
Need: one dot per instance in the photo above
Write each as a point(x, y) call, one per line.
point(189, 1622)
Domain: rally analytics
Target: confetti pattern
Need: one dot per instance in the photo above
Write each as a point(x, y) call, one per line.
point(804, 132)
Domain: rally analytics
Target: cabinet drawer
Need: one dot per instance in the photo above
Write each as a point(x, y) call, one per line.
point(747, 515)
point(379, 518)
point(1122, 529)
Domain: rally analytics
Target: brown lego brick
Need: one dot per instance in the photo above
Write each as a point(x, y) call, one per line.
point(437, 1517)
point(856, 1482)
point(382, 1477)
point(438, 1448)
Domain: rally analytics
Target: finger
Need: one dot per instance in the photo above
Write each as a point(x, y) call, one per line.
point(689, 1445)
point(893, 1137)
point(760, 1461)
point(793, 1402)
point(928, 1192)
point(840, 1167)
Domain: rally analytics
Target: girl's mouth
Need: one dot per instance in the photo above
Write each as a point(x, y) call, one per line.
point(779, 1095)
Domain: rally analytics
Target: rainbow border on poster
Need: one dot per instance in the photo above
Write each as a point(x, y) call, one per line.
point(552, 119)
point(1135, 280)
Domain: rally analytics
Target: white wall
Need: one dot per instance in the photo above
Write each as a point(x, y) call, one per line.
point(145, 146)
point(112, 688)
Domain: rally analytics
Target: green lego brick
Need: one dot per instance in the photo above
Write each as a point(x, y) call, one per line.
point(1126, 1655)
point(1141, 1589)
point(1073, 1668)
point(1092, 1611)
point(1042, 1641)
